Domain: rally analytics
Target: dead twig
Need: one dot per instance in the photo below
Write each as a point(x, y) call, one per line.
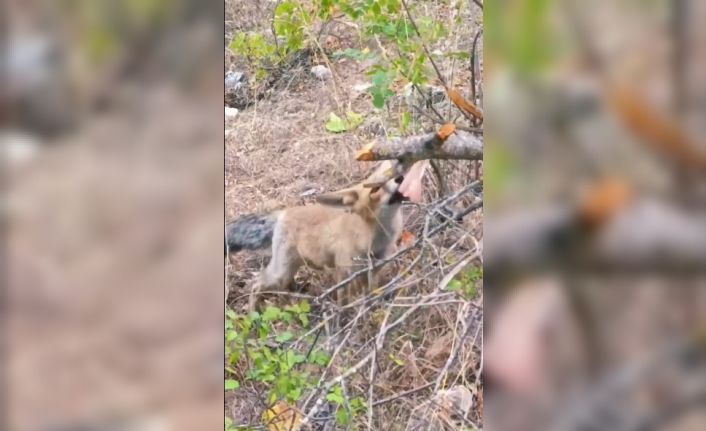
point(460, 145)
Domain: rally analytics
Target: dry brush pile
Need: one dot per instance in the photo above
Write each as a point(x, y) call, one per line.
point(407, 354)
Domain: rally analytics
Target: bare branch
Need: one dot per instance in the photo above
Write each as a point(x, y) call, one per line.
point(460, 145)
point(474, 61)
point(648, 235)
point(426, 51)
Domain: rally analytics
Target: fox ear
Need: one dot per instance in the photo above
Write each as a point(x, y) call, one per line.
point(341, 198)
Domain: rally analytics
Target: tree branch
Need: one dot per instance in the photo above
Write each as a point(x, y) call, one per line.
point(648, 235)
point(460, 145)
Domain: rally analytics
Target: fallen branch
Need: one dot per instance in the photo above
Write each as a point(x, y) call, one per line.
point(646, 235)
point(403, 394)
point(460, 145)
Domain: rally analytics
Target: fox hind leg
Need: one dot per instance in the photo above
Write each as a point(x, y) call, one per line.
point(280, 271)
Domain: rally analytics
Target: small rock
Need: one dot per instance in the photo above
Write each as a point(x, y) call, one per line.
point(438, 94)
point(360, 88)
point(309, 192)
point(321, 71)
point(443, 411)
point(363, 86)
point(234, 80)
point(230, 112)
point(457, 400)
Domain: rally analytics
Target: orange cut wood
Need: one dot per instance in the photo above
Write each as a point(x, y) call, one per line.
point(657, 130)
point(365, 154)
point(463, 104)
point(603, 201)
point(446, 130)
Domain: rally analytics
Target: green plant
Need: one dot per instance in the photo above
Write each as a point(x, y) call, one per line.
point(345, 411)
point(295, 24)
point(263, 341)
point(258, 349)
point(465, 282)
point(290, 23)
point(336, 124)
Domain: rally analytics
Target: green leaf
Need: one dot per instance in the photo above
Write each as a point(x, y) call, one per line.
point(404, 121)
point(358, 405)
point(335, 398)
point(378, 100)
point(473, 274)
point(284, 337)
point(453, 286)
point(342, 417)
point(393, 6)
point(354, 119)
point(286, 316)
point(320, 357)
point(271, 313)
point(379, 79)
point(238, 44)
point(304, 319)
point(293, 358)
point(294, 393)
point(231, 385)
point(228, 424)
point(335, 124)
point(396, 360)
point(304, 306)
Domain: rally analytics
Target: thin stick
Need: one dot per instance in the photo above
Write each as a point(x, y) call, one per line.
point(426, 51)
point(403, 394)
point(474, 60)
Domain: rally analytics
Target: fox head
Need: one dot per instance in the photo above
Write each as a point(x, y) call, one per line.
point(366, 199)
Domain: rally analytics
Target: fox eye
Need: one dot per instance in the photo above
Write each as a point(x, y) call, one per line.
point(374, 189)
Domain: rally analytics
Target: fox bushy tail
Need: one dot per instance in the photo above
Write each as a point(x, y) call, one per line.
point(250, 232)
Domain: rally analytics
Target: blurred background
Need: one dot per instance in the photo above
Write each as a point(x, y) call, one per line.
point(111, 123)
point(595, 215)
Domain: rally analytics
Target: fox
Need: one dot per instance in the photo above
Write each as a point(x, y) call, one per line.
point(341, 232)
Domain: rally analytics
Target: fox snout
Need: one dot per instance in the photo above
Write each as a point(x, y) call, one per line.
point(397, 198)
